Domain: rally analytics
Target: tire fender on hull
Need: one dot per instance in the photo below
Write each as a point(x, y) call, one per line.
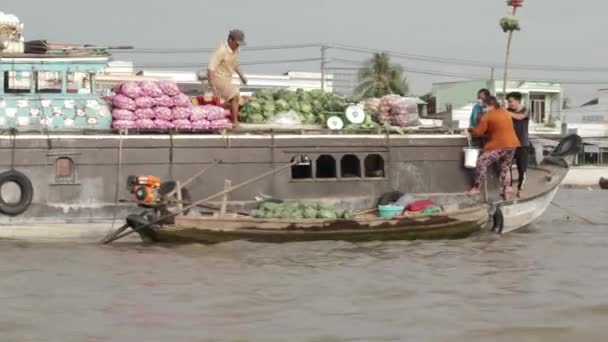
point(27, 193)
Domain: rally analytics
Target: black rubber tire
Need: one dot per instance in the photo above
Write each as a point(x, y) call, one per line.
point(27, 193)
point(389, 197)
point(567, 146)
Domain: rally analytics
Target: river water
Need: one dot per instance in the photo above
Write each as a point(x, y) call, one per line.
point(546, 283)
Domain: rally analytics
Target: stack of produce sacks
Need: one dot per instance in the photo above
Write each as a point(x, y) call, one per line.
point(371, 106)
point(398, 111)
point(150, 105)
point(297, 211)
point(209, 117)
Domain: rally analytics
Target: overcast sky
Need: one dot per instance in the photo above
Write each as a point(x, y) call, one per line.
point(555, 32)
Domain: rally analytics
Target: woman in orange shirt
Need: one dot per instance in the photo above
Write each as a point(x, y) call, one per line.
point(497, 124)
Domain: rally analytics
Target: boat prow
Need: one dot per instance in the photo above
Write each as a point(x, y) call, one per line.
point(542, 184)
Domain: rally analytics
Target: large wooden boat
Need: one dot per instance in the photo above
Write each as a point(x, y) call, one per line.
point(460, 220)
point(57, 147)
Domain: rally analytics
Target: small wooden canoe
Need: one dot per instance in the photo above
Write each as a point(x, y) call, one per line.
point(604, 183)
point(455, 224)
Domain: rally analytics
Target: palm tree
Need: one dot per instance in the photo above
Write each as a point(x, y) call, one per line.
point(379, 77)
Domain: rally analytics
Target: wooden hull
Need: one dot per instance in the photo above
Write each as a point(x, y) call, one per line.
point(212, 230)
point(543, 184)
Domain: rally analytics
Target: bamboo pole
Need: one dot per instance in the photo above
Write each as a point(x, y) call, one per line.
point(508, 54)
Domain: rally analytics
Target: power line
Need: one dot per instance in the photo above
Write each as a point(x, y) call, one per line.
point(198, 65)
point(211, 50)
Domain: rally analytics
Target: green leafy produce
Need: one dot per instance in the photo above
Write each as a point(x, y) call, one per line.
point(299, 210)
point(282, 105)
point(327, 214)
point(510, 23)
point(305, 107)
point(310, 213)
point(256, 118)
point(348, 215)
point(269, 109)
point(254, 107)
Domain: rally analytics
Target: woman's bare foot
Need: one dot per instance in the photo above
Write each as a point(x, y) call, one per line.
point(473, 192)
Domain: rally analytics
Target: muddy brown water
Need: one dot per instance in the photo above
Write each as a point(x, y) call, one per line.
point(546, 283)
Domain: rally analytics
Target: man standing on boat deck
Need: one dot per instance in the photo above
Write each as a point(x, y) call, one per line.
point(521, 122)
point(224, 64)
point(477, 112)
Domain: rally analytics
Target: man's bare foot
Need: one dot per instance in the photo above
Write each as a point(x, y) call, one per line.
point(473, 192)
point(520, 194)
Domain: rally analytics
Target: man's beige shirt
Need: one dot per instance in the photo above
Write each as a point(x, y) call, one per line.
point(224, 62)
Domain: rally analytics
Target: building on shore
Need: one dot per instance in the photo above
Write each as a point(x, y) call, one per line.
point(543, 99)
point(591, 122)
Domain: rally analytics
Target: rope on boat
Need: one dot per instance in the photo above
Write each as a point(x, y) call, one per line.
point(118, 175)
point(13, 146)
point(584, 219)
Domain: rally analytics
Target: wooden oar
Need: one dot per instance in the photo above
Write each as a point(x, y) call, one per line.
point(221, 193)
point(114, 234)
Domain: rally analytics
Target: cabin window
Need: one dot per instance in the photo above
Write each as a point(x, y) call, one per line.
point(78, 83)
point(64, 171)
point(17, 82)
point(350, 166)
point(326, 167)
point(374, 166)
point(49, 82)
point(302, 170)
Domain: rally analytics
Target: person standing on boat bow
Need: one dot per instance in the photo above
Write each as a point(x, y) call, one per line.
point(222, 66)
point(497, 124)
point(521, 122)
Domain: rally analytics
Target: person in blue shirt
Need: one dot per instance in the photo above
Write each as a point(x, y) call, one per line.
point(477, 113)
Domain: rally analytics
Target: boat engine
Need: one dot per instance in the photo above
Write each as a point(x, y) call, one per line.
point(145, 189)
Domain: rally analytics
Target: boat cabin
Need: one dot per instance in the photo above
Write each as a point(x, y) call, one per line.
point(42, 92)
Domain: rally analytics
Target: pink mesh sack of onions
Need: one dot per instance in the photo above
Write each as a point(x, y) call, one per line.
point(163, 101)
point(163, 125)
point(150, 89)
point(163, 113)
point(201, 125)
point(199, 113)
point(182, 100)
point(182, 124)
point(144, 102)
point(145, 124)
point(218, 115)
point(123, 102)
point(221, 124)
point(145, 113)
point(181, 113)
point(169, 88)
point(123, 124)
point(130, 89)
point(123, 114)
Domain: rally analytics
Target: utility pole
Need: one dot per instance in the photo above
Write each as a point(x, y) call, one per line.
point(492, 74)
point(323, 65)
